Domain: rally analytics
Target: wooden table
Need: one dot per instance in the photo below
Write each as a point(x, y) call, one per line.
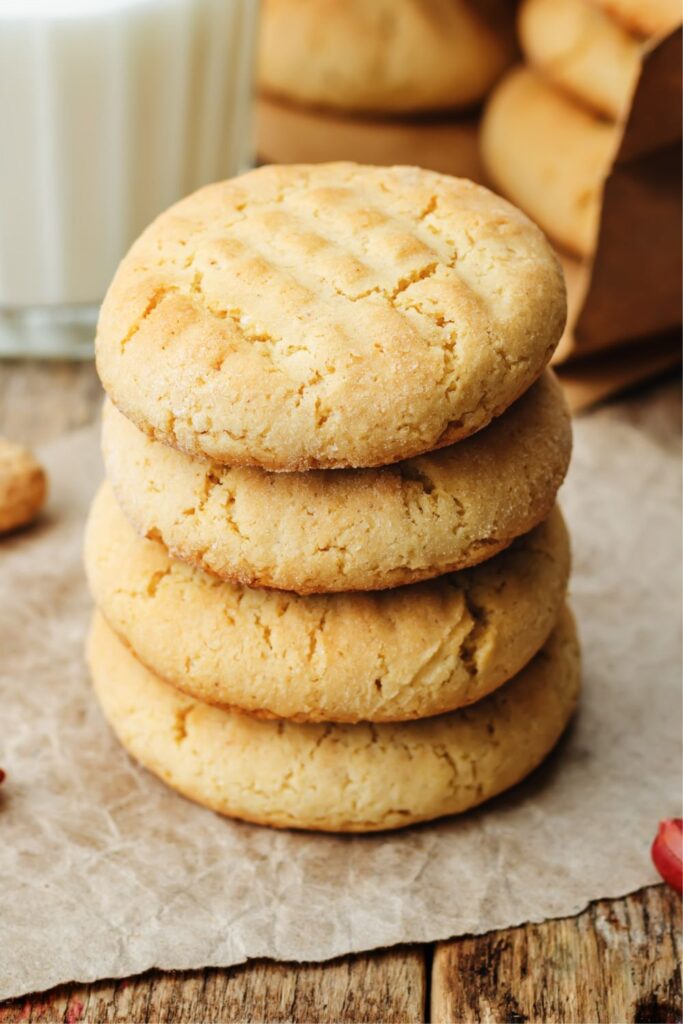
point(619, 961)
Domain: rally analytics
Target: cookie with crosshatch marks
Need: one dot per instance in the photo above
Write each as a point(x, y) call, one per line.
point(330, 315)
point(343, 778)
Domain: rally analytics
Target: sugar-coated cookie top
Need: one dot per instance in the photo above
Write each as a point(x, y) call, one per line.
point(329, 316)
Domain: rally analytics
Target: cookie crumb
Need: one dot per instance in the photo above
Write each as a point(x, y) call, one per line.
point(23, 486)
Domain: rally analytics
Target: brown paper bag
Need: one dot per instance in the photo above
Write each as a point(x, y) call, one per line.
point(631, 289)
point(594, 378)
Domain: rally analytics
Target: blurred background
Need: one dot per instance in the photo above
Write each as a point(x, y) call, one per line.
point(113, 109)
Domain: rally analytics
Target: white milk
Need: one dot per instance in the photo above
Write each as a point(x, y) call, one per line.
point(109, 111)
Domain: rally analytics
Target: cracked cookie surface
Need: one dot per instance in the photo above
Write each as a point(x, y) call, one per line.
point(347, 530)
point(388, 656)
point(329, 316)
point(347, 778)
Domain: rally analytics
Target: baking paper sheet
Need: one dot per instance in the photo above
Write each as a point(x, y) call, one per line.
point(106, 873)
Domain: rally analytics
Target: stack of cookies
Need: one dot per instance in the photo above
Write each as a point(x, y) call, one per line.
point(329, 570)
point(553, 126)
point(385, 81)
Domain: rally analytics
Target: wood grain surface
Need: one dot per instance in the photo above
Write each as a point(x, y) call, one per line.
point(389, 986)
point(618, 962)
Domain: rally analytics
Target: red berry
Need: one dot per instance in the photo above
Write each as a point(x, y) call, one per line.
point(667, 852)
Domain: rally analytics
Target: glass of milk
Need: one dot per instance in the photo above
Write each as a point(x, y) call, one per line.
point(110, 110)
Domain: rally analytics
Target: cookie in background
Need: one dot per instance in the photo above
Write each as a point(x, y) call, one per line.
point(384, 56)
point(584, 51)
point(550, 155)
point(381, 81)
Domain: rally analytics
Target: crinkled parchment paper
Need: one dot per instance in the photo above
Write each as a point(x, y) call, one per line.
point(105, 873)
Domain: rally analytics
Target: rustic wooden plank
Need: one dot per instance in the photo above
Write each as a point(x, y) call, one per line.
point(617, 962)
point(388, 986)
point(40, 401)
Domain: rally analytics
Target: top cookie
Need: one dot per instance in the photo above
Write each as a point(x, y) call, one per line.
point(329, 316)
point(384, 56)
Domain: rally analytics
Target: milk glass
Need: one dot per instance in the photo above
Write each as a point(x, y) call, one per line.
point(110, 110)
